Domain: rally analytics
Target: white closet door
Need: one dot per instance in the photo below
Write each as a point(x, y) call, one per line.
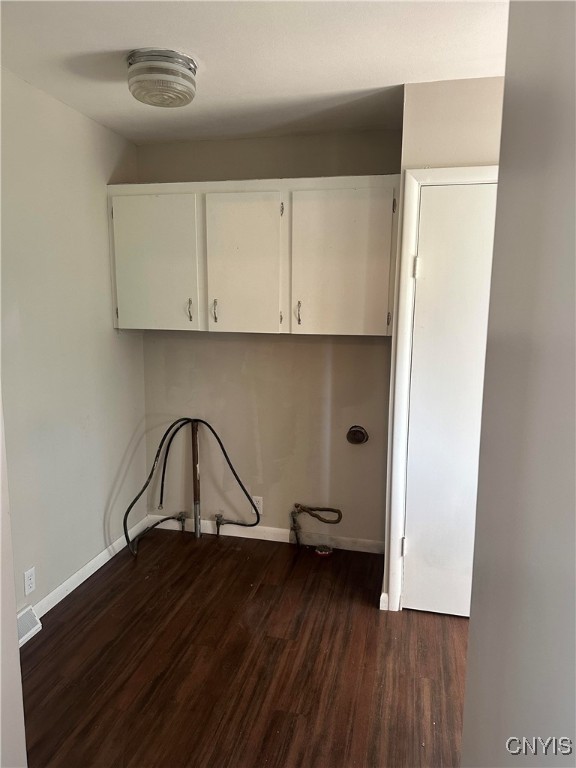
point(341, 240)
point(156, 261)
point(243, 261)
point(455, 241)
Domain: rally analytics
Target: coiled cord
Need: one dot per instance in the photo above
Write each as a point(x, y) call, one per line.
point(169, 435)
point(313, 512)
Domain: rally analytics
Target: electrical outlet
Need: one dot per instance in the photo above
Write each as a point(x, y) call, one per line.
point(29, 580)
point(259, 503)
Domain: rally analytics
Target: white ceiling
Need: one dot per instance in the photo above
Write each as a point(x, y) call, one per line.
point(265, 68)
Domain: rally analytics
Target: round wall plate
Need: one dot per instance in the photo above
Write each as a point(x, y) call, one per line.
point(357, 435)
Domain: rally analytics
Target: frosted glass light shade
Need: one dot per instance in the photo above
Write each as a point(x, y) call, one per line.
point(161, 77)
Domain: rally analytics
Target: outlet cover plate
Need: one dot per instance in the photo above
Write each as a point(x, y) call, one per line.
point(258, 501)
point(29, 580)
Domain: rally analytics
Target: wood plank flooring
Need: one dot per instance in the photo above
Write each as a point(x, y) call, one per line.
point(235, 653)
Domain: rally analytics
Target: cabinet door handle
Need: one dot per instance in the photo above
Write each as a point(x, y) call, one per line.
point(215, 310)
point(190, 310)
point(298, 313)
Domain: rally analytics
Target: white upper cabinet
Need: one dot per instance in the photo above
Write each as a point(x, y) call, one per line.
point(307, 256)
point(341, 248)
point(156, 259)
point(243, 261)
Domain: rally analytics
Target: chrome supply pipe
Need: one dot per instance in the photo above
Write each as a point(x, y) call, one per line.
point(196, 480)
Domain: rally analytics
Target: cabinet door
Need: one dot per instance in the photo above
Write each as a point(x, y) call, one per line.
point(243, 261)
point(341, 242)
point(155, 254)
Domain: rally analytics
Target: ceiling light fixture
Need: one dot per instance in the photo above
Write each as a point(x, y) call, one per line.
point(161, 77)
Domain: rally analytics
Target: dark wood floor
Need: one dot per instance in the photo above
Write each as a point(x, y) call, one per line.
point(235, 653)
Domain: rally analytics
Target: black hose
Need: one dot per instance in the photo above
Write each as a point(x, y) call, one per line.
point(134, 542)
point(146, 484)
point(220, 520)
point(165, 462)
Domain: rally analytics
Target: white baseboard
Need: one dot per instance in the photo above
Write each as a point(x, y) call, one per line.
point(264, 533)
point(48, 602)
point(261, 532)
point(209, 526)
point(385, 603)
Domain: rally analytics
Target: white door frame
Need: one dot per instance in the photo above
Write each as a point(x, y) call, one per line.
point(414, 180)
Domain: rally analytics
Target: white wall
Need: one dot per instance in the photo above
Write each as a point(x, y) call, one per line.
point(282, 404)
point(329, 154)
point(522, 631)
point(12, 737)
point(72, 386)
point(452, 123)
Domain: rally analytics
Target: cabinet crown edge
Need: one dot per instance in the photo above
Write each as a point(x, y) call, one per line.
point(239, 185)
